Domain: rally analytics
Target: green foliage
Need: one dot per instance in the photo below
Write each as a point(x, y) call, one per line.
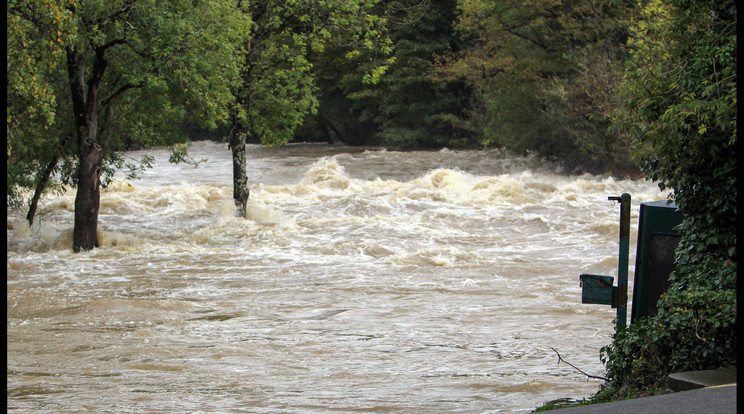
point(345, 109)
point(408, 106)
point(181, 61)
point(681, 110)
point(180, 155)
point(164, 62)
point(37, 34)
point(680, 93)
point(695, 329)
point(544, 72)
point(414, 108)
point(277, 89)
point(130, 167)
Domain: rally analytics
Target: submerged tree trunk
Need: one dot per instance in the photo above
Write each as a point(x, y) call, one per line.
point(88, 198)
point(44, 179)
point(240, 176)
point(85, 107)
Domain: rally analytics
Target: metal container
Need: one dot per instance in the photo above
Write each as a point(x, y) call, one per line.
point(657, 242)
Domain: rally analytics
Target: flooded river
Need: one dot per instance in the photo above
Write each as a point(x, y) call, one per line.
point(360, 280)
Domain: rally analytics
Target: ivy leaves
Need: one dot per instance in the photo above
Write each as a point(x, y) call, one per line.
point(695, 329)
point(681, 95)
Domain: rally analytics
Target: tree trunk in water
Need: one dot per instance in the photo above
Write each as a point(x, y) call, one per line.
point(44, 179)
point(85, 106)
point(240, 176)
point(87, 199)
point(40, 186)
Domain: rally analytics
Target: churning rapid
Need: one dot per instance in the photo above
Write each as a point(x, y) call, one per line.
point(359, 280)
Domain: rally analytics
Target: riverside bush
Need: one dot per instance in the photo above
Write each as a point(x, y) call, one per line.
point(694, 329)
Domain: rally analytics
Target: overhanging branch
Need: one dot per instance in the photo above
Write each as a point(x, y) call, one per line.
point(119, 92)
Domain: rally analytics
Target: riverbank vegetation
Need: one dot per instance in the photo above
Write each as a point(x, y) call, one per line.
point(615, 87)
point(680, 109)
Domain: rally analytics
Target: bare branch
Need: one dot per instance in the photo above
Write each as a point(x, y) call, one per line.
point(560, 359)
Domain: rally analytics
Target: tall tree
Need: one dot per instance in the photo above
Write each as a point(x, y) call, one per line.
point(37, 34)
point(412, 107)
point(277, 88)
point(408, 107)
point(543, 72)
point(133, 70)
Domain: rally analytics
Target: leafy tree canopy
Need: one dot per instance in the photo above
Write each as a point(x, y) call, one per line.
point(37, 34)
point(163, 60)
point(118, 72)
point(543, 72)
point(278, 87)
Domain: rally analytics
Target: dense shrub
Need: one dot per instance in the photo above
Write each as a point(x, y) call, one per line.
point(695, 329)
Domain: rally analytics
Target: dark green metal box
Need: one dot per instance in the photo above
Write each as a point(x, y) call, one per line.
point(596, 289)
point(657, 242)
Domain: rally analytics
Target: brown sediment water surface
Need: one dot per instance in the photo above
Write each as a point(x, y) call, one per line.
point(359, 280)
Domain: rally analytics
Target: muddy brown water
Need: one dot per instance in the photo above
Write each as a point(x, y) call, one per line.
point(360, 280)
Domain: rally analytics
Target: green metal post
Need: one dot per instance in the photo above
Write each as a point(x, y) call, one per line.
point(620, 298)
